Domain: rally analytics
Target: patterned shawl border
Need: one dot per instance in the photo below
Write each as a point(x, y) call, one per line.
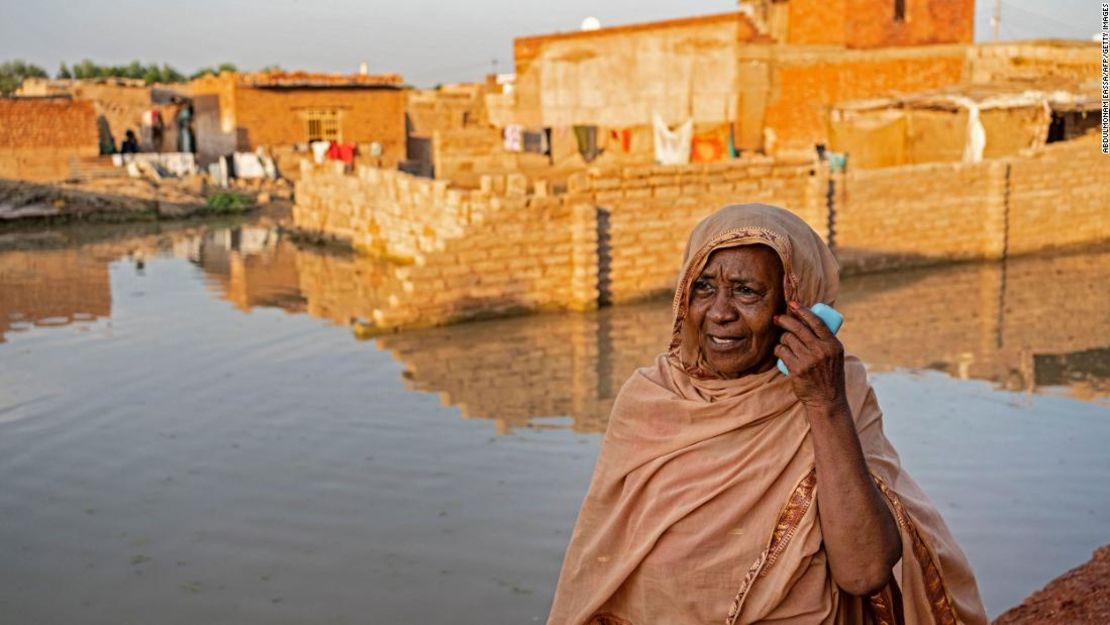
point(886, 605)
point(607, 618)
point(797, 504)
point(944, 612)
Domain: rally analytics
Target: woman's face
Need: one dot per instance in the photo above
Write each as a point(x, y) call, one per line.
point(732, 304)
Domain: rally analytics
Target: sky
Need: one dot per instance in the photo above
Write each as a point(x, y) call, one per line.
point(427, 41)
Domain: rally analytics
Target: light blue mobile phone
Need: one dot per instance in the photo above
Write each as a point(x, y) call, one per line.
point(833, 320)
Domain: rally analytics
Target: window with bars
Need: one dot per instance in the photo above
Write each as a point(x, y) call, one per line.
point(323, 125)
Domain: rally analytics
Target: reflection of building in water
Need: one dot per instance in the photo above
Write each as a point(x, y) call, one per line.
point(1028, 323)
point(1025, 323)
point(518, 369)
point(249, 267)
point(51, 287)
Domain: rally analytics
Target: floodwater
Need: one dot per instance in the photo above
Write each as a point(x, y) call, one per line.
point(197, 427)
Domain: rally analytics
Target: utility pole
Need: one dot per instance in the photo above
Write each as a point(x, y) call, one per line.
point(996, 19)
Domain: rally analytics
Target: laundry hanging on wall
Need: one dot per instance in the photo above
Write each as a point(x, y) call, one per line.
point(710, 145)
point(621, 137)
point(537, 142)
point(587, 142)
point(513, 137)
point(672, 147)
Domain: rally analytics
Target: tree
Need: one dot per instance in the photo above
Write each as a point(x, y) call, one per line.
point(12, 74)
point(63, 72)
point(205, 71)
point(86, 69)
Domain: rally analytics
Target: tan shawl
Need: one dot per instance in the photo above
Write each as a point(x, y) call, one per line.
point(701, 508)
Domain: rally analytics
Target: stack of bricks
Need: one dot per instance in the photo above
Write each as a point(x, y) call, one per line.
point(652, 209)
point(39, 137)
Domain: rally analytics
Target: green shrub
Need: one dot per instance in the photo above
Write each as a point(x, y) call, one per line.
point(222, 202)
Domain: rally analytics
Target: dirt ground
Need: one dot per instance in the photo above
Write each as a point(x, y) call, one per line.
point(1079, 597)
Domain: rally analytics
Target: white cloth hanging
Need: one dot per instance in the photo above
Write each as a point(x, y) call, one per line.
point(672, 147)
point(976, 139)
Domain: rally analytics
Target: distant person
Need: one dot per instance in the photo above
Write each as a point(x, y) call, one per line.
point(130, 144)
point(104, 138)
point(185, 141)
point(157, 130)
point(727, 492)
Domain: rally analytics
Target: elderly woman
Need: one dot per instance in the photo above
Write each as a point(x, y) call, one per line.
point(729, 493)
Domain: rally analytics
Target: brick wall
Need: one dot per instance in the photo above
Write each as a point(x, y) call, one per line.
point(387, 212)
point(871, 23)
point(620, 76)
point(648, 211)
point(39, 137)
point(464, 155)
point(804, 82)
point(122, 105)
point(1059, 197)
point(902, 216)
point(618, 235)
point(274, 116)
point(1065, 60)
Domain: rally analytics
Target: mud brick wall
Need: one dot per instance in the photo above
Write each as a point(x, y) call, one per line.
point(504, 265)
point(463, 156)
point(459, 254)
point(871, 23)
point(272, 116)
point(1059, 197)
point(920, 214)
point(900, 216)
point(804, 82)
point(248, 117)
point(1077, 61)
point(39, 137)
point(385, 211)
point(647, 212)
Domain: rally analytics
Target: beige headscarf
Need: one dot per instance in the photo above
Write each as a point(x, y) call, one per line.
point(701, 508)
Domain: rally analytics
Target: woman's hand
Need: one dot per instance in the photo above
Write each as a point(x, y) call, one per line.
point(814, 356)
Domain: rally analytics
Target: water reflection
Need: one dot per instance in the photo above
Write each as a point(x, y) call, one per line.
point(1026, 324)
point(256, 462)
point(51, 288)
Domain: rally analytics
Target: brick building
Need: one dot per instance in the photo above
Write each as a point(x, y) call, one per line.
point(240, 112)
point(41, 137)
point(770, 70)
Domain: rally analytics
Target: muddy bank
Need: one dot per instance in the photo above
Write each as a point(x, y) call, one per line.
point(1079, 597)
point(128, 199)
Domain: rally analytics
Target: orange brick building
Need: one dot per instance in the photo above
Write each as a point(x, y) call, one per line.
point(240, 112)
point(771, 70)
point(40, 136)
